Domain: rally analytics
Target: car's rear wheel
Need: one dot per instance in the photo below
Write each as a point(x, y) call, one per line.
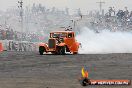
point(41, 50)
point(75, 52)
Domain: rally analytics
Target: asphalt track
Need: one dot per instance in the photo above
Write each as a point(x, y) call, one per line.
point(31, 70)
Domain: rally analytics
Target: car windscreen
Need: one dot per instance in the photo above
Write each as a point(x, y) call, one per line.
point(58, 35)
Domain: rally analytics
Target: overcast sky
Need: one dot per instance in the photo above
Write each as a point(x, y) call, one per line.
point(73, 4)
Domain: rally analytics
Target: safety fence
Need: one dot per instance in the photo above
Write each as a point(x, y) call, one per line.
point(11, 45)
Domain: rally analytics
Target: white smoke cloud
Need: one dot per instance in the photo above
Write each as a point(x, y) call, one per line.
point(104, 42)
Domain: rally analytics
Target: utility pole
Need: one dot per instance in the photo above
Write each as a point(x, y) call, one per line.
point(100, 5)
point(20, 6)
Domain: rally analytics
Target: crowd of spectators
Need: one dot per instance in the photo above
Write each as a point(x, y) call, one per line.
point(10, 34)
point(36, 18)
point(113, 20)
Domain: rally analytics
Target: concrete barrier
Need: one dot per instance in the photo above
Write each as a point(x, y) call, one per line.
point(11, 45)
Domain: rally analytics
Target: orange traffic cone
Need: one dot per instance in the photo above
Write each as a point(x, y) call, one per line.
point(1, 47)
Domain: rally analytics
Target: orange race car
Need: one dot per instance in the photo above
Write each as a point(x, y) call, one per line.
point(60, 42)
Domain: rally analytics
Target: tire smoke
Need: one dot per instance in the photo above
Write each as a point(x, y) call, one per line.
point(104, 42)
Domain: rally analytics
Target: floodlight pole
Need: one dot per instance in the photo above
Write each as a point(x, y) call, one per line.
point(20, 6)
point(21, 15)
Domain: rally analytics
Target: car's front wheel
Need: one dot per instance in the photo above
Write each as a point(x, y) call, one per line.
point(62, 50)
point(41, 50)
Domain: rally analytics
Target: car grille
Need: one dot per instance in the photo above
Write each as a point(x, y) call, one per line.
point(51, 43)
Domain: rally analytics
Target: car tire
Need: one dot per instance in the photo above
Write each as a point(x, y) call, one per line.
point(41, 50)
point(62, 50)
point(75, 52)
